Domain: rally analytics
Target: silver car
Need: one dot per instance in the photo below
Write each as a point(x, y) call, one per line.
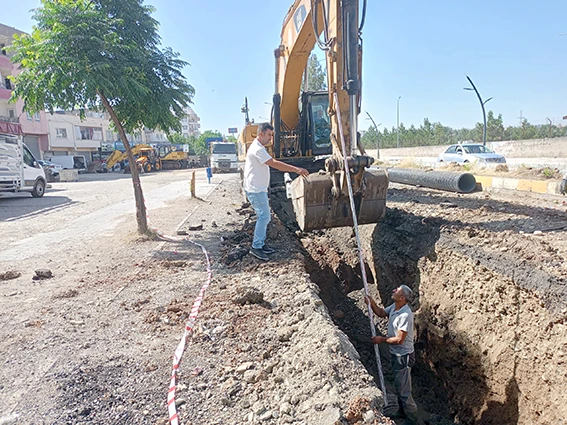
point(469, 153)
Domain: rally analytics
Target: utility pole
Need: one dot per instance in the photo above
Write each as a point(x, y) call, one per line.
point(377, 135)
point(521, 118)
point(398, 125)
point(482, 103)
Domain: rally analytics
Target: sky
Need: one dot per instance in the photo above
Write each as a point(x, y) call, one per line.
point(512, 50)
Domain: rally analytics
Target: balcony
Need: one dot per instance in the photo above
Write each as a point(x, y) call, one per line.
point(4, 118)
point(5, 61)
point(5, 93)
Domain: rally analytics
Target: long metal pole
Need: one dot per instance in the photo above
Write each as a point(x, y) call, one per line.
point(377, 135)
point(359, 248)
point(482, 103)
point(398, 125)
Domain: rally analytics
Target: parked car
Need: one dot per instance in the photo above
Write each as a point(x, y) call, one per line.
point(51, 169)
point(469, 153)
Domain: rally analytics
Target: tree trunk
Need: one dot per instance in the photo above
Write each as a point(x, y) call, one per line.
point(138, 194)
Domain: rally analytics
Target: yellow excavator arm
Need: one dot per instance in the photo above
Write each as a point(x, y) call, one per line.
point(303, 137)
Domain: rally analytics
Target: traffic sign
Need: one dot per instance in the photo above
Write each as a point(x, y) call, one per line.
point(232, 130)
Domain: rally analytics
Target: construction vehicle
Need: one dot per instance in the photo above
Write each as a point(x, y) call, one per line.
point(173, 157)
point(19, 170)
point(316, 130)
point(223, 157)
point(146, 159)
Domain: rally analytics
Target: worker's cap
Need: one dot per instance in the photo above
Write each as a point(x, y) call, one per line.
point(408, 293)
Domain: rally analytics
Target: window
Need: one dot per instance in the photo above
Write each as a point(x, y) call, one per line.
point(109, 135)
point(3, 49)
point(28, 157)
point(224, 148)
point(28, 115)
point(88, 133)
point(452, 149)
point(8, 83)
point(37, 117)
point(61, 133)
point(11, 113)
point(184, 127)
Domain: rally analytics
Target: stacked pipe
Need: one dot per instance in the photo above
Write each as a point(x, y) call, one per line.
point(454, 182)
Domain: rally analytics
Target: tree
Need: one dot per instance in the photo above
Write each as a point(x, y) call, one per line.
point(316, 75)
point(93, 54)
point(201, 142)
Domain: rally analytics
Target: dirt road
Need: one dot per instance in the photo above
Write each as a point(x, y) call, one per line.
point(93, 344)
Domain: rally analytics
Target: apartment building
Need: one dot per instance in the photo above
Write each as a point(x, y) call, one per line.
point(190, 124)
point(13, 120)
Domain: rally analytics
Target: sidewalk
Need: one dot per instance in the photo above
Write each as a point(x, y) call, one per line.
point(525, 185)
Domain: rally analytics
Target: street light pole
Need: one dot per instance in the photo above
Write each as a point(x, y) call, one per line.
point(398, 125)
point(377, 135)
point(482, 103)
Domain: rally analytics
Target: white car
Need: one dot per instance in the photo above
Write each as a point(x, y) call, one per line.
point(470, 153)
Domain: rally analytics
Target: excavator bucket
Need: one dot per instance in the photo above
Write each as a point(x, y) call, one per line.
point(316, 208)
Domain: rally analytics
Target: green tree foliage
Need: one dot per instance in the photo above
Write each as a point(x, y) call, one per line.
point(179, 139)
point(430, 134)
point(201, 142)
point(316, 75)
point(102, 53)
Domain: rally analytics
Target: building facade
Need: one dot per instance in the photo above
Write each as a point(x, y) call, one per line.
point(190, 124)
point(13, 120)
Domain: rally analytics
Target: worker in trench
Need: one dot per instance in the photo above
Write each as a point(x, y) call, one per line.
point(256, 182)
point(400, 342)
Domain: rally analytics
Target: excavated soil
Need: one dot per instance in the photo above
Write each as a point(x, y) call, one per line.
point(491, 314)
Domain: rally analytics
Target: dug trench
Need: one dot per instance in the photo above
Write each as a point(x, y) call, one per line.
point(490, 307)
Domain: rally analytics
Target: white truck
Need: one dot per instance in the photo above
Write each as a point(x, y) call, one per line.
point(70, 162)
point(19, 170)
point(223, 157)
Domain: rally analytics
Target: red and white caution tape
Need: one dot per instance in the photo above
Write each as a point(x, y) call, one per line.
point(172, 410)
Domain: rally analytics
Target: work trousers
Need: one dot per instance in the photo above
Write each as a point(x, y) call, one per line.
point(401, 366)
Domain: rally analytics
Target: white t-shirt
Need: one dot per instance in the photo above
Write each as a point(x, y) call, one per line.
point(256, 172)
point(400, 320)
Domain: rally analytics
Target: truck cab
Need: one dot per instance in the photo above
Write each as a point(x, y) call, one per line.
point(223, 157)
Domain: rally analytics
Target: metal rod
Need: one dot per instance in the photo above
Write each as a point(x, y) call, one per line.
point(360, 256)
point(398, 125)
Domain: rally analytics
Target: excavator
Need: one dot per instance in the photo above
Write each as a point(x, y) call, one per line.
point(317, 130)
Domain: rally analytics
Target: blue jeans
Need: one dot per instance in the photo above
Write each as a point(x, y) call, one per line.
point(261, 205)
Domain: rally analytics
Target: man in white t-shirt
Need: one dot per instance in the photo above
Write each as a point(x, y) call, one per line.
point(400, 341)
point(256, 182)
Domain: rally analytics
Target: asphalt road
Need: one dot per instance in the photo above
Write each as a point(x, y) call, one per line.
point(73, 213)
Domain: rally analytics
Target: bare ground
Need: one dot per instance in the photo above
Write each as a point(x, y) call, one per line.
point(93, 345)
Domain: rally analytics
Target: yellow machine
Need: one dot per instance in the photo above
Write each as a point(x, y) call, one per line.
point(173, 157)
point(146, 158)
point(312, 129)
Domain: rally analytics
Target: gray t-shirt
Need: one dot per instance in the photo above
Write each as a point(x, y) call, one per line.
point(400, 320)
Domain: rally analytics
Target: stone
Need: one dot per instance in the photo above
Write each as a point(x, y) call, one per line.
point(285, 334)
point(266, 416)
point(258, 408)
point(286, 408)
point(248, 295)
point(10, 274)
point(42, 274)
point(244, 367)
point(196, 227)
point(369, 417)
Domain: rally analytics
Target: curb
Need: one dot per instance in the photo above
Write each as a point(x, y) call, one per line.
point(524, 185)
